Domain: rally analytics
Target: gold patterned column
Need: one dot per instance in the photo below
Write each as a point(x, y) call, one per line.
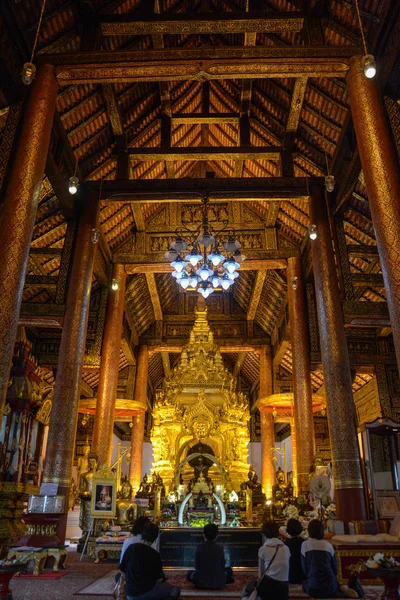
point(107, 391)
point(380, 167)
point(267, 422)
point(142, 371)
point(19, 210)
point(303, 409)
point(349, 494)
point(64, 416)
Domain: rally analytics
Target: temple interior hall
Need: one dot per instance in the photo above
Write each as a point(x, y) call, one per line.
point(199, 282)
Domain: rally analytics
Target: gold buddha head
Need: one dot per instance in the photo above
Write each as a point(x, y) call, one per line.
point(126, 490)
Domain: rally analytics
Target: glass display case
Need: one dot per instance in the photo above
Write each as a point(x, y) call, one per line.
point(46, 504)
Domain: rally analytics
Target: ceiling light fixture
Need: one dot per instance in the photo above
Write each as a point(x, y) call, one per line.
point(312, 232)
point(73, 182)
point(204, 270)
point(368, 61)
point(329, 179)
point(29, 69)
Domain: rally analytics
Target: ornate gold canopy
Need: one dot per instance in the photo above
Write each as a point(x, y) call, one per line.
point(200, 402)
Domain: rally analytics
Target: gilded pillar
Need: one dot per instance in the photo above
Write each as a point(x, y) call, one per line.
point(142, 370)
point(349, 494)
point(380, 167)
point(267, 422)
point(107, 391)
point(303, 410)
point(19, 210)
point(64, 416)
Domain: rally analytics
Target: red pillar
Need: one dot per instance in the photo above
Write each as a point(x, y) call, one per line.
point(19, 209)
point(64, 416)
point(142, 370)
point(267, 422)
point(107, 391)
point(303, 412)
point(349, 495)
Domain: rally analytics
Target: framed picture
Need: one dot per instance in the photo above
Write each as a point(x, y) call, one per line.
point(388, 505)
point(104, 494)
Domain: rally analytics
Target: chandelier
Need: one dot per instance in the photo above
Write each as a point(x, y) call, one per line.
point(201, 260)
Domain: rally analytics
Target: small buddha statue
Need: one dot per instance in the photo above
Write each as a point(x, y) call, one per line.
point(279, 486)
point(86, 480)
point(242, 495)
point(144, 489)
point(278, 506)
point(258, 496)
point(126, 509)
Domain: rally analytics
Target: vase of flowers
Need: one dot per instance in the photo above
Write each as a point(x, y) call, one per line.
point(388, 570)
point(330, 516)
point(290, 512)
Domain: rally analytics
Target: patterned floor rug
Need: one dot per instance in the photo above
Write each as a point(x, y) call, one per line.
point(104, 587)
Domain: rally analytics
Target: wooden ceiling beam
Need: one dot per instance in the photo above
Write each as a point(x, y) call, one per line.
point(367, 279)
point(225, 347)
point(193, 189)
point(359, 250)
point(204, 118)
point(266, 259)
point(206, 63)
point(193, 24)
point(207, 153)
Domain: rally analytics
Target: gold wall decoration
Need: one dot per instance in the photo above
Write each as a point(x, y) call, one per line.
point(199, 402)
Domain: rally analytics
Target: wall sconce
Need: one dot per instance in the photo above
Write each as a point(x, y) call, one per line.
point(294, 283)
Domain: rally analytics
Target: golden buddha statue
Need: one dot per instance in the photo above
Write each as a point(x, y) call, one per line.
point(144, 490)
point(83, 462)
point(126, 509)
point(85, 494)
point(279, 486)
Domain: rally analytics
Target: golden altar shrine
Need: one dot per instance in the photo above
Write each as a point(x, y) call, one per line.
point(199, 412)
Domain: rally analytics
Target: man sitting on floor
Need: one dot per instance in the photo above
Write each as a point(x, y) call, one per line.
point(145, 579)
point(210, 572)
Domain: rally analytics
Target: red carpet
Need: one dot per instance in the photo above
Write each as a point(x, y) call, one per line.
point(45, 575)
point(105, 585)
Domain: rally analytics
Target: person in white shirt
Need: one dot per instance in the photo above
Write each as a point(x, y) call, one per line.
point(273, 565)
point(136, 534)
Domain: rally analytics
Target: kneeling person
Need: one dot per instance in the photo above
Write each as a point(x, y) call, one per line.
point(145, 579)
point(210, 572)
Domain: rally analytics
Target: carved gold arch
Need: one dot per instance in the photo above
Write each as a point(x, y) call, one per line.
point(195, 455)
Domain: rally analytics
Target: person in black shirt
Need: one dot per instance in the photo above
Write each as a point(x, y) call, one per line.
point(210, 572)
point(294, 529)
point(145, 579)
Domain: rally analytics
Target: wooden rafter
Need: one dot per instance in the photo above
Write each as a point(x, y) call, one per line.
point(239, 363)
point(292, 124)
point(166, 363)
point(256, 295)
point(155, 299)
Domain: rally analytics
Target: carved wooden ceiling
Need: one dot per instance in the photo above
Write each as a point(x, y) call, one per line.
point(309, 117)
